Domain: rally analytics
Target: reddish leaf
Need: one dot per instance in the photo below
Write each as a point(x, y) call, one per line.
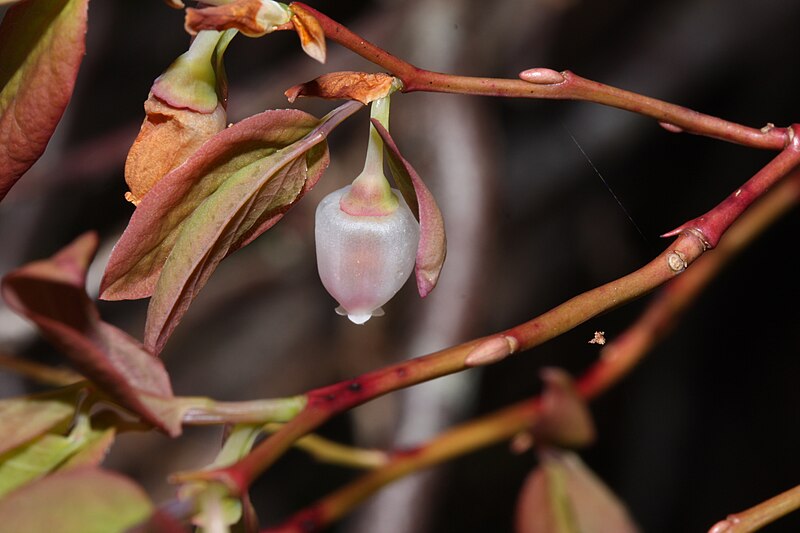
point(565, 420)
point(250, 201)
point(42, 43)
point(83, 500)
point(51, 294)
point(432, 240)
point(140, 254)
point(562, 495)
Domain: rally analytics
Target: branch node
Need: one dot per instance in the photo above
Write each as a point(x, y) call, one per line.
point(672, 128)
point(722, 526)
point(491, 351)
point(542, 76)
point(677, 261)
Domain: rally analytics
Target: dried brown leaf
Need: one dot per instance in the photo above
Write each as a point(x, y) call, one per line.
point(253, 18)
point(362, 86)
point(167, 138)
point(312, 36)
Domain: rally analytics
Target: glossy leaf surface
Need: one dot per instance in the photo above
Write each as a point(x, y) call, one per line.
point(42, 43)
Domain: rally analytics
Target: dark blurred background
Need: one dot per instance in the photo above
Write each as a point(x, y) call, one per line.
point(710, 421)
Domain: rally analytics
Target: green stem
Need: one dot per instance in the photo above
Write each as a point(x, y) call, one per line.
point(373, 165)
point(205, 411)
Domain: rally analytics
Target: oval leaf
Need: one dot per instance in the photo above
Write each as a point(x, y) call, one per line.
point(42, 43)
point(562, 495)
point(250, 201)
point(136, 262)
point(51, 294)
point(432, 240)
point(83, 500)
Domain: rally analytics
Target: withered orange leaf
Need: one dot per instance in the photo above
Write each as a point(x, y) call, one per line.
point(51, 294)
point(362, 86)
point(253, 18)
point(432, 239)
point(312, 36)
point(42, 43)
point(168, 136)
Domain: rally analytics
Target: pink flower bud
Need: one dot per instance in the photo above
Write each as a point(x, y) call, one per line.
point(364, 260)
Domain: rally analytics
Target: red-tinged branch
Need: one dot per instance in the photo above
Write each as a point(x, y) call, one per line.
point(326, 402)
point(458, 441)
point(762, 514)
point(616, 359)
point(549, 84)
point(621, 355)
point(713, 224)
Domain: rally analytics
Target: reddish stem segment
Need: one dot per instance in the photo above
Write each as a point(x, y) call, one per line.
point(549, 84)
point(326, 402)
point(616, 360)
point(713, 224)
point(762, 514)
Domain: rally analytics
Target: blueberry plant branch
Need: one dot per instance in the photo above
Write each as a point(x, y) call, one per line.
point(323, 403)
point(616, 359)
point(550, 84)
point(760, 515)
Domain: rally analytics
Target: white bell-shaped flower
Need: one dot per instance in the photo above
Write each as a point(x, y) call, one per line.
point(364, 260)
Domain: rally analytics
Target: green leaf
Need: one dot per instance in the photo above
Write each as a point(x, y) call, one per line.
point(94, 449)
point(42, 43)
point(563, 495)
point(37, 458)
point(82, 500)
point(24, 419)
point(51, 294)
point(432, 240)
